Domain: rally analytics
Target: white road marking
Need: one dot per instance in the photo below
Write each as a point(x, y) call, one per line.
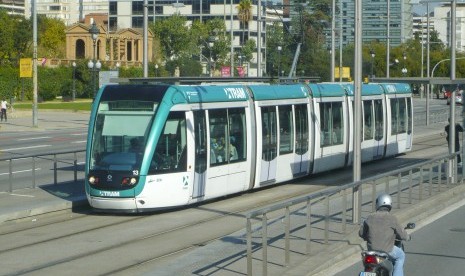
point(79, 142)
point(34, 138)
point(37, 169)
point(26, 148)
point(22, 195)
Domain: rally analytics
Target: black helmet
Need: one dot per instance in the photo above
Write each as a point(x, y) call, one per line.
point(384, 200)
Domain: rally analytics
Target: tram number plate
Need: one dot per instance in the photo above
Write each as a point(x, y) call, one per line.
point(367, 274)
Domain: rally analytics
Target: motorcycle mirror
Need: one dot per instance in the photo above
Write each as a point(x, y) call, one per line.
point(410, 225)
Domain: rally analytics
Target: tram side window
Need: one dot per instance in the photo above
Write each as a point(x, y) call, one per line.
point(286, 129)
point(171, 151)
point(331, 124)
point(398, 116)
point(218, 136)
point(368, 120)
point(379, 122)
point(301, 120)
point(408, 115)
point(237, 134)
point(402, 116)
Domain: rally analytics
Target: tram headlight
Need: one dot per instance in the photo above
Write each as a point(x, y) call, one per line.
point(93, 180)
point(129, 181)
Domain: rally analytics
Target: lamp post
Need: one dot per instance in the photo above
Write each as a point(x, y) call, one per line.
point(74, 81)
point(279, 61)
point(156, 70)
point(94, 67)
point(404, 69)
point(372, 53)
point(211, 43)
point(93, 64)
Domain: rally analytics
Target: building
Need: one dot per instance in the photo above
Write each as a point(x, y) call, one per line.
point(15, 7)
point(442, 25)
point(129, 14)
point(420, 26)
point(70, 12)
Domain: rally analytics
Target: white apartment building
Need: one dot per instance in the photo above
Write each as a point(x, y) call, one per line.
point(70, 11)
point(442, 25)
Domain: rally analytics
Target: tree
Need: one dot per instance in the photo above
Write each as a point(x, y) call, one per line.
point(52, 39)
point(244, 9)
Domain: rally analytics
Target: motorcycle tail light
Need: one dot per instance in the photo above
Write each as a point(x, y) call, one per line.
point(369, 259)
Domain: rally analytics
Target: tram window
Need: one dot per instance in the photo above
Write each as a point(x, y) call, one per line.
point(237, 134)
point(171, 151)
point(331, 124)
point(408, 115)
point(286, 129)
point(301, 120)
point(227, 135)
point(200, 133)
point(379, 122)
point(394, 116)
point(269, 136)
point(218, 136)
point(368, 120)
point(402, 116)
point(399, 116)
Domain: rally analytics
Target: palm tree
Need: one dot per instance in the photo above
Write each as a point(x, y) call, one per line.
point(244, 9)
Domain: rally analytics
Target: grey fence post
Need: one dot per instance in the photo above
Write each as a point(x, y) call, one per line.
point(309, 226)
point(287, 234)
point(264, 245)
point(249, 247)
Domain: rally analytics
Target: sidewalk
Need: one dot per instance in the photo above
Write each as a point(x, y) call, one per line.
point(21, 120)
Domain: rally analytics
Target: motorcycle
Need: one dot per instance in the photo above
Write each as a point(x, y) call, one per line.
point(378, 263)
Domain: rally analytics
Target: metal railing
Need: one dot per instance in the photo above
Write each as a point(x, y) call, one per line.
point(66, 162)
point(405, 185)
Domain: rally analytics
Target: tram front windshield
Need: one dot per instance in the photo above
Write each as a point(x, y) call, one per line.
point(122, 125)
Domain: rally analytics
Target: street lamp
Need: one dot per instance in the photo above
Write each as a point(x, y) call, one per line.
point(372, 53)
point(74, 80)
point(211, 43)
point(94, 67)
point(404, 71)
point(279, 61)
point(156, 70)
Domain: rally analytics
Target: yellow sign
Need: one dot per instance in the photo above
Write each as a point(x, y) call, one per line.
point(25, 68)
point(345, 72)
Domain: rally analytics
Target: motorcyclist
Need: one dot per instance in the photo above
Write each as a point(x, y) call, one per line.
point(380, 230)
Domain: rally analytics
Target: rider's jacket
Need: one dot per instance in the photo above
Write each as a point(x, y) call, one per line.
point(380, 230)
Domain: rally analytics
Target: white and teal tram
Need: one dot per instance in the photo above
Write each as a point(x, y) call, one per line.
point(155, 146)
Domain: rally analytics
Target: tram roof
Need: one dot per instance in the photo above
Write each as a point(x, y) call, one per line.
point(327, 90)
point(396, 88)
point(367, 89)
point(212, 93)
point(278, 92)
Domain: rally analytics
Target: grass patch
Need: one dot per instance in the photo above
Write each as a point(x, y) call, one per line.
point(82, 105)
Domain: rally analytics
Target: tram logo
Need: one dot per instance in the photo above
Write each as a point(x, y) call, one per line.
point(109, 178)
point(235, 93)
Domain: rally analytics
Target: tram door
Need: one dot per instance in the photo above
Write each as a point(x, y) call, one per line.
point(301, 148)
point(269, 144)
point(200, 129)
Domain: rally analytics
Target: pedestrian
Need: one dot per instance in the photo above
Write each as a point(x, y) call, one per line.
point(4, 105)
point(458, 128)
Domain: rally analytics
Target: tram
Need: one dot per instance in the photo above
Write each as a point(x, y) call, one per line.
point(156, 146)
